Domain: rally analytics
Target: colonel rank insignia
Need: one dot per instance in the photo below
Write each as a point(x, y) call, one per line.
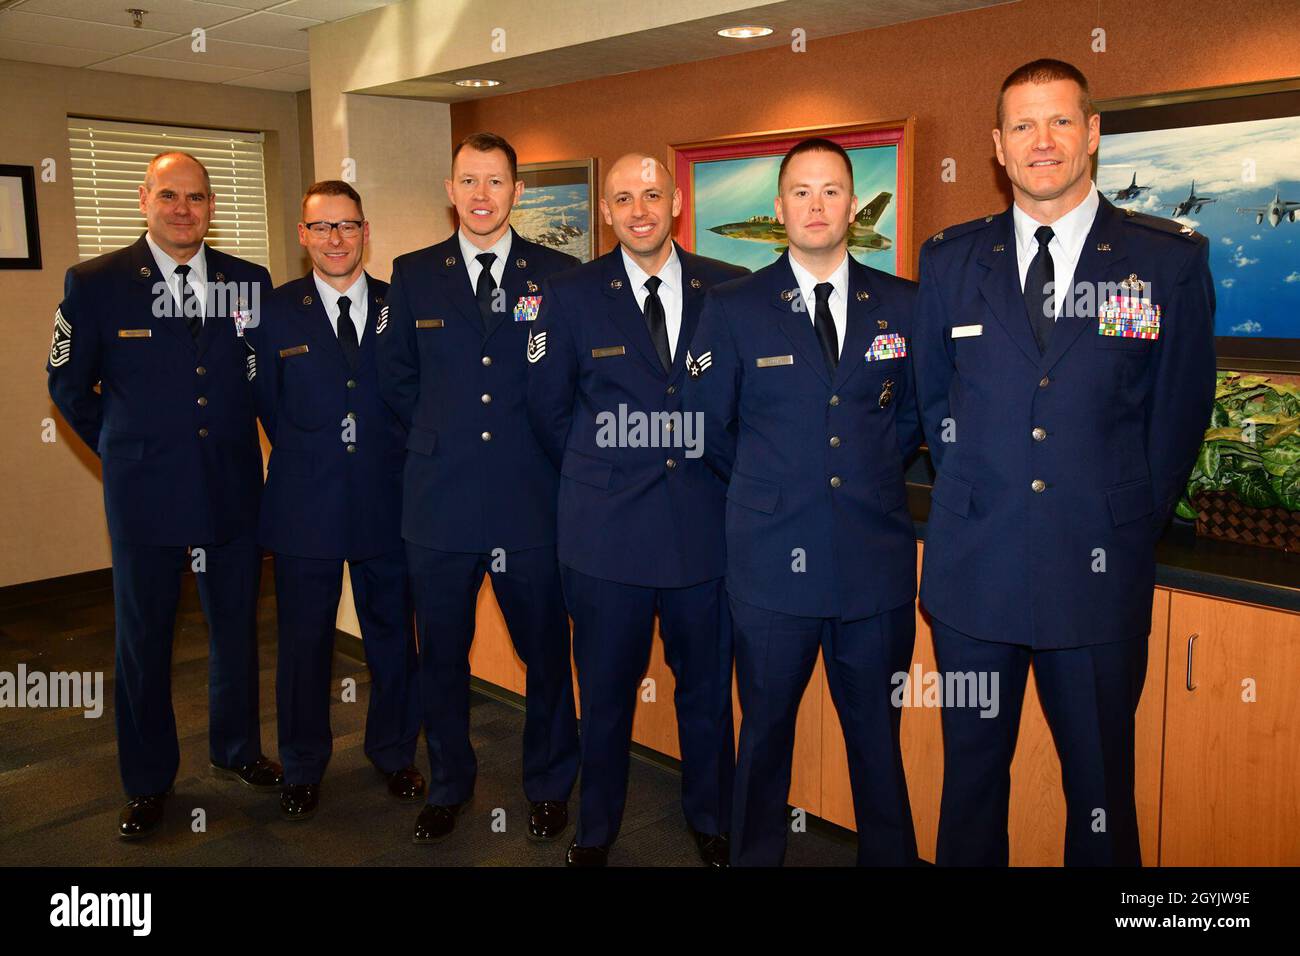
point(1129, 314)
point(890, 345)
point(382, 322)
point(526, 308)
point(695, 367)
point(536, 346)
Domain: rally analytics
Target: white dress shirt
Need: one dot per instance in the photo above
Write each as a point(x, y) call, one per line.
point(1068, 236)
point(198, 277)
point(839, 298)
point(469, 252)
point(329, 297)
point(670, 292)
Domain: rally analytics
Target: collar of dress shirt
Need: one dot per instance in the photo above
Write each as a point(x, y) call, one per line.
point(1070, 230)
point(471, 252)
point(329, 296)
point(670, 272)
point(839, 280)
point(198, 262)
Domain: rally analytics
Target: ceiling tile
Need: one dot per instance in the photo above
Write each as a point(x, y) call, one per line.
point(170, 16)
point(172, 69)
point(273, 80)
point(46, 53)
point(269, 29)
point(62, 31)
point(330, 9)
point(245, 56)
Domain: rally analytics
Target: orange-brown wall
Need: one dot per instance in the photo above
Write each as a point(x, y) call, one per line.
point(944, 71)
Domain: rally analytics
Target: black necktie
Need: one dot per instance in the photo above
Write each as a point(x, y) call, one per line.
point(1040, 297)
point(189, 303)
point(825, 325)
point(485, 286)
point(657, 322)
point(348, 332)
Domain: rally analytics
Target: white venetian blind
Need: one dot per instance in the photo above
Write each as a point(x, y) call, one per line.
point(108, 164)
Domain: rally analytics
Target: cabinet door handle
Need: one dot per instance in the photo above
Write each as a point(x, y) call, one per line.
point(1191, 644)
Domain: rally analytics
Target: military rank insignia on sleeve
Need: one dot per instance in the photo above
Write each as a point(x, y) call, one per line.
point(536, 346)
point(695, 367)
point(526, 308)
point(61, 345)
point(890, 345)
point(251, 361)
point(381, 323)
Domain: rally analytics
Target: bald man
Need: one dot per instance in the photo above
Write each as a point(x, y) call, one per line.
point(159, 326)
point(640, 518)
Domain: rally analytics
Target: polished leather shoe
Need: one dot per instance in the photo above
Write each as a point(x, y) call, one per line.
point(141, 816)
point(298, 801)
point(261, 774)
point(547, 819)
point(405, 784)
point(436, 822)
point(586, 855)
point(715, 848)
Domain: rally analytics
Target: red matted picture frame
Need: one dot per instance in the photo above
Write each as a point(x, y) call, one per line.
point(684, 159)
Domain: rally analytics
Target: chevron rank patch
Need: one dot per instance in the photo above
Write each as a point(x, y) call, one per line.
point(695, 367)
point(891, 345)
point(536, 346)
point(526, 308)
point(251, 361)
point(61, 345)
point(381, 323)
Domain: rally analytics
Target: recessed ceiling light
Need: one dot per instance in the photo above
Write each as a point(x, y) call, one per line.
point(478, 83)
point(744, 33)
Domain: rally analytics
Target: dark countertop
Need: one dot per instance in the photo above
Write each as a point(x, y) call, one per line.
point(1222, 569)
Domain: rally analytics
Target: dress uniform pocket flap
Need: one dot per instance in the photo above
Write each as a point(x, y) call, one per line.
point(893, 494)
point(421, 442)
point(1130, 501)
point(589, 471)
point(120, 446)
point(1123, 343)
point(753, 493)
point(953, 493)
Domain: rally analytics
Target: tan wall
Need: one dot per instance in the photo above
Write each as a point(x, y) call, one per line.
point(51, 509)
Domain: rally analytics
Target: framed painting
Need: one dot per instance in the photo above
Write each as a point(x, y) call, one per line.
point(728, 187)
point(1226, 162)
point(20, 237)
point(557, 206)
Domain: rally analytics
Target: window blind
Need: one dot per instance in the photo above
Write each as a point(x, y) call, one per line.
point(108, 164)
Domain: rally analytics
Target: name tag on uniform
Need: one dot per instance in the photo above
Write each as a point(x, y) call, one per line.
point(966, 331)
point(134, 333)
point(608, 351)
point(772, 360)
point(428, 323)
point(296, 350)
point(889, 345)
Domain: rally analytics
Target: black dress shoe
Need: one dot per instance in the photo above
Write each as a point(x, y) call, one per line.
point(141, 816)
point(298, 801)
point(586, 855)
point(261, 774)
point(547, 819)
point(405, 784)
point(715, 848)
point(436, 822)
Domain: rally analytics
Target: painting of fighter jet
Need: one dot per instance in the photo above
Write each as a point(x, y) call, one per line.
point(862, 231)
point(1192, 204)
point(1274, 212)
point(1131, 191)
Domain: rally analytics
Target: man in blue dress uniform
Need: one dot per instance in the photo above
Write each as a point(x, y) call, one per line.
point(1065, 365)
point(158, 327)
point(479, 492)
point(333, 494)
point(640, 515)
point(803, 374)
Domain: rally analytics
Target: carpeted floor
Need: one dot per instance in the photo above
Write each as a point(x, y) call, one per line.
point(60, 792)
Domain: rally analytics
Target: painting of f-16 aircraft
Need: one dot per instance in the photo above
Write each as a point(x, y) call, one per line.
point(1237, 183)
point(729, 186)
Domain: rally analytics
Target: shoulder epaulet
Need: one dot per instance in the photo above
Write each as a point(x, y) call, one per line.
point(1159, 224)
point(961, 229)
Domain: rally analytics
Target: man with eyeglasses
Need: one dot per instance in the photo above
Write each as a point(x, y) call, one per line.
point(333, 495)
point(480, 493)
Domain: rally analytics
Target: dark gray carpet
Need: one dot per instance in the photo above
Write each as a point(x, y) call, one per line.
point(60, 792)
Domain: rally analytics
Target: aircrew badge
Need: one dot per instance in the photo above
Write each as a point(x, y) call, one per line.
point(526, 308)
point(536, 346)
point(891, 345)
point(695, 367)
point(1129, 314)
